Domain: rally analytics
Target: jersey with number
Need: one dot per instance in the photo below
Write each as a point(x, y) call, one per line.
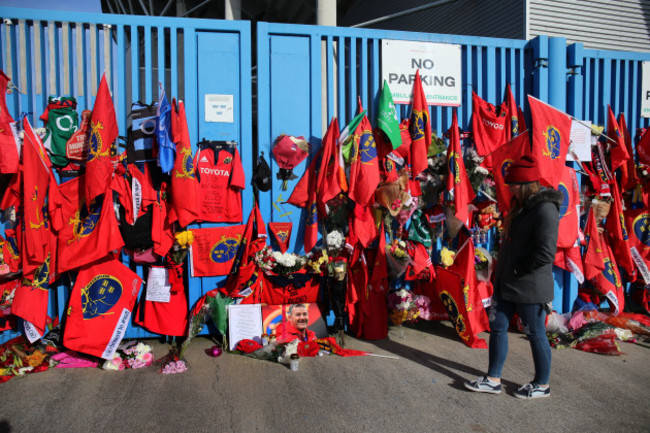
point(220, 180)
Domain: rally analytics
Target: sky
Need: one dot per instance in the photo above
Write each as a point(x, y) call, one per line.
point(65, 5)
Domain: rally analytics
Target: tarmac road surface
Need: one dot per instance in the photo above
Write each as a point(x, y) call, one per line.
point(422, 391)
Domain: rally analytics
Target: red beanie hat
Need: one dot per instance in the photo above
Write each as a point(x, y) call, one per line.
point(524, 170)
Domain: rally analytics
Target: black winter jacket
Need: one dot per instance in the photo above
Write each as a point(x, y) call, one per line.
point(524, 271)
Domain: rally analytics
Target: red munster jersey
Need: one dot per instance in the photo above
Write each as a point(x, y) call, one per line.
point(221, 180)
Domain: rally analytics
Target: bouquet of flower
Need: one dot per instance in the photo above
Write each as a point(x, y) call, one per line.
point(287, 263)
point(130, 355)
point(397, 258)
point(317, 262)
point(335, 241)
point(401, 304)
point(264, 259)
point(447, 257)
point(182, 240)
point(423, 304)
point(480, 259)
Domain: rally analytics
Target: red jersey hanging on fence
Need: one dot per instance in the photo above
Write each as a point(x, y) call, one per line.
point(89, 231)
point(551, 130)
point(297, 288)
point(184, 202)
point(214, 250)
point(221, 179)
point(100, 307)
point(490, 125)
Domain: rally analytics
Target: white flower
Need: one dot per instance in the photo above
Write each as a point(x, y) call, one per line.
point(335, 239)
point(142, 348)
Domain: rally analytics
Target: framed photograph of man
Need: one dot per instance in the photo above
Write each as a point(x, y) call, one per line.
point(294, 321)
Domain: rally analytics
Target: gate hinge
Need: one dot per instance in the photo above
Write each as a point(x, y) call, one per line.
point(541, 63)
point(575, 70)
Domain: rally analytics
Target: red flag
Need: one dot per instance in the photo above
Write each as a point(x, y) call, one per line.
point(502, 158)
point(638, 221)
point(90, 231)
point(8, 150)
point(459, 188)
point(593, 257)
point(214, 250)
point(184, 202)
point(357, 281)
point(617, 234)
point(551, 130)
point(103, 132)
point(465, 267)
point(643, 148)
point(570, 260)
point(364, 165)
point(629, 178)
point(420, 129)
point(512, 111)
point(379, 267)
point(451, 287)
point(282, 234)
point(100, 307)
point(490, 125)
point(608, 282)
point(10, 252)
point(363, 224)
point(618, 153)
point(316, 187)
point(31, 298)
point(36, 181)
point(569, 209)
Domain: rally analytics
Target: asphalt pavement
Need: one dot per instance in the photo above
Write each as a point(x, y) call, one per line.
point(422, 391)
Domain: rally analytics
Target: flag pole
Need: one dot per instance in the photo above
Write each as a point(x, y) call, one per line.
point(591, 128)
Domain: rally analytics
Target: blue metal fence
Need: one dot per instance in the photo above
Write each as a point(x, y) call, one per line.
point(305, 75)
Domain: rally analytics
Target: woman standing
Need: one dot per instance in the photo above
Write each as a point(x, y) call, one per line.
point(524, 278)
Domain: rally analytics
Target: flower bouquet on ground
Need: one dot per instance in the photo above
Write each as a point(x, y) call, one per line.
point(172, 363)
point(397, 258)
point(402, 307)
point(130, 355)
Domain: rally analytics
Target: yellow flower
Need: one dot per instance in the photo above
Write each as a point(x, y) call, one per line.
point(36, 358)
point(184, 238)
point(447, 257)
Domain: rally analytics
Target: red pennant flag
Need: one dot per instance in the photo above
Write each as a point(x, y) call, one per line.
point(618, 154)
point(100, 307)
point(629, 178)
point(420, 129)
point(512, 111)
point(459, 188)
point(184, 202)
point(103, 132)
point(364, 165)
point(569, 209)
point(617, 234)
point(214, 250)
point(90, 231)
point(451, 290)
point(282, 234)
point(502, 158)
point(551, 131)
point(593, 257)
point(490, 125)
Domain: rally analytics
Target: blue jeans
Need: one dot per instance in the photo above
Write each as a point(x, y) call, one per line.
point(533, 317)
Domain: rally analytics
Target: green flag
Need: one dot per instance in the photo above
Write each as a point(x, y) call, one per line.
point(387, 118)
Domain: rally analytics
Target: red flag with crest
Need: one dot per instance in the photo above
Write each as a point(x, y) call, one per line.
point(593, 257)
point(282, 234)
point(551, 132)
point(464, 265)
point(184, 203)
point(502, 158)
point(617, 234)
point(459, 188)
point(364, 165)
point(451, 287)
point(103, 132)
point(420, 129)
point(608, 282)
point(512, 111)
point(569, 209)
point(638, 222)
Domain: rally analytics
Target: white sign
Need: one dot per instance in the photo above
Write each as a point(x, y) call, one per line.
point(580, 140)
point(244, 322)
point(645, 90)
point(158, 286)
point(219, 108)
point(439, 66)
